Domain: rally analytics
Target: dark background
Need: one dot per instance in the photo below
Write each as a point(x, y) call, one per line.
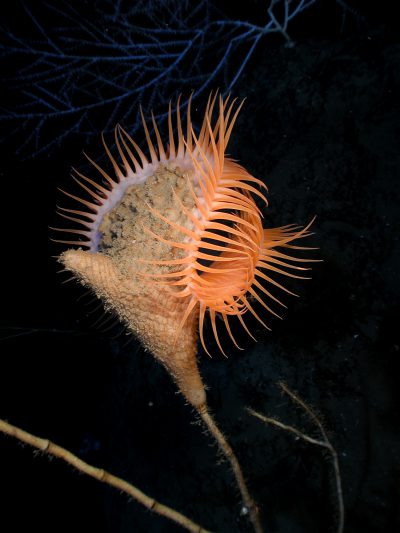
point(321, 127)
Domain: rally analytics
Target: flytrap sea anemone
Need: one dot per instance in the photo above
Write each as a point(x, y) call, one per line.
point(175, 235)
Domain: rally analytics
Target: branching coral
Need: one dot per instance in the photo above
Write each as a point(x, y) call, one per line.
point(82, 70)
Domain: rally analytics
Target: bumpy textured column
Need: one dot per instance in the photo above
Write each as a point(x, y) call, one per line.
point(149, 311)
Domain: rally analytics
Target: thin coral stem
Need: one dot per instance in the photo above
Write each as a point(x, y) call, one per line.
point(324, 442)
point(248, 501)
point(49, 447)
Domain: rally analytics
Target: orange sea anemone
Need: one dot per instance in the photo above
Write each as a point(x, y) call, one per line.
point(188, 218)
